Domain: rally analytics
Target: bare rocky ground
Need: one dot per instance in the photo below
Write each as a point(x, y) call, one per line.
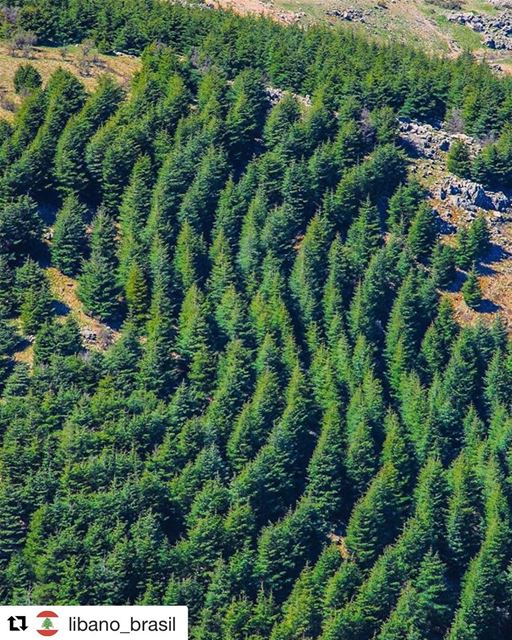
point(496, 30)
point(455, 203)
point(95, 334)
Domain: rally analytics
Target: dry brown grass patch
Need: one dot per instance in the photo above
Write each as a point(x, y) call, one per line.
point(47, 60)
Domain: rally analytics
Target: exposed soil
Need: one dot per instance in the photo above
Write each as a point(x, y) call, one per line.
point(496, 268)
point(96, 335)
point(243, 6)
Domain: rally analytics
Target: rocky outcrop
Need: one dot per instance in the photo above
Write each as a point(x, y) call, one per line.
point(275, 95)
point(456, 201)
point(426, 141)
point(496, 30)
point(472, 196)
point(459, 201)
point(101, 338)
point(350, 15)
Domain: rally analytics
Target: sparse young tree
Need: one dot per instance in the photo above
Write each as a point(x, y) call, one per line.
point(69, 240)
point(458, 160)
point(97, 288)
point(471, 290)
point(26, 79)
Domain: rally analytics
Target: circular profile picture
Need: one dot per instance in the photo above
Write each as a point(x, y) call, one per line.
point(49, 621)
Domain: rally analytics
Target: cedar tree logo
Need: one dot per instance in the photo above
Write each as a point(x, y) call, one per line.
point(48, 622)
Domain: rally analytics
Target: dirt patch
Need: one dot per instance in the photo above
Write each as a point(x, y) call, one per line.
point(496, 284)
point(244, 7)
point(24, 353)
point(96, 335)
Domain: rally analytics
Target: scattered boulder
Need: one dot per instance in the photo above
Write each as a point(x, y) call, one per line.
point(275, 95)
point(496, 30)
point(350, 15)
point(471, 196)
point(89, 336)
point(443, 221)
point(444, 145)
point(100, 338)
point(501, 202)
point(425, 140)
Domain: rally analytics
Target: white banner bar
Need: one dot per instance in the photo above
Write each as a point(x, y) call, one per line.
point(86, 623)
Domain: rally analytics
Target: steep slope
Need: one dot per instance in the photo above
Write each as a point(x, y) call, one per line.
point(457, 203)
point(292, 435)
point(430, 24)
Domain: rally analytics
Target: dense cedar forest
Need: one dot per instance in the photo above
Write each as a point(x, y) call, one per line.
point(292, 435)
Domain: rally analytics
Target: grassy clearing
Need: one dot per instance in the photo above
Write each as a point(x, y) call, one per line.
point(466, 38)
point(480, 6)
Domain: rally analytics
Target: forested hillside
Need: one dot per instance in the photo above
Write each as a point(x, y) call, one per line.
point(291, 434)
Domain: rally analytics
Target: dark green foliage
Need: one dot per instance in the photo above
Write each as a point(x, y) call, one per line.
point(438, 339)
point(97, 287)
point(464, 518)
point(473, 242)
point(284, 427)
point(403, 205)
point(422, 233)
point(424, 607)
point(11, 536)
point(284, 548)
point(26, 79)
point(443, 265)
point(133, 215)
point(327, 482)
point(8, 341)
point(57, 340)
point(458, 160)
point(33, 295)
point(18, 382)
point(308, 275)
point(137, 295)
point(492, 164)
point(69, 239)
point(406, 324)
point(244, 119)
point(471, 290)
point(70, 167)
point(482, 591)
point(29, 173)
point(364, 236)
point(20, 228)
point(376, 518)
point(280, 120)
point(200, 200)
point(250, 430)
